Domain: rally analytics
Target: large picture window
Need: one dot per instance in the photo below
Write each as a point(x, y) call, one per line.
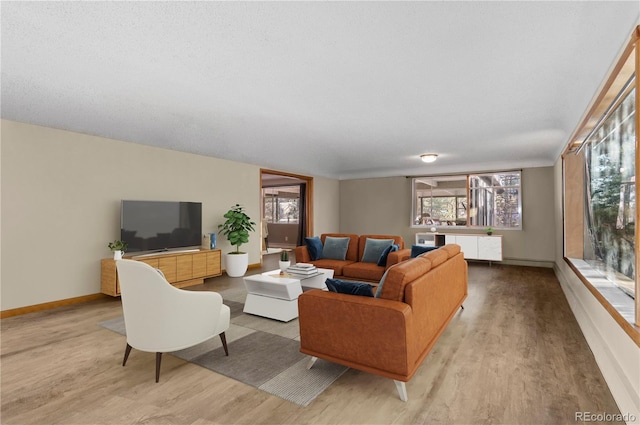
point(610, 196)
point(599, 183)
point(474, 200)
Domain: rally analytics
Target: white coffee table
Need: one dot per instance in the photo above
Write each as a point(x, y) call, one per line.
point(275, 296)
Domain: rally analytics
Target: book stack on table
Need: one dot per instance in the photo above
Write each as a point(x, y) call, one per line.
point(302, 270)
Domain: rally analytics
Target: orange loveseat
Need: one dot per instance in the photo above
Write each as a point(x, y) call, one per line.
point(352, 267)
point(391, 335)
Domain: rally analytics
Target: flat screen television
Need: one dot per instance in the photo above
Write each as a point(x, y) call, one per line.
point(160, 225)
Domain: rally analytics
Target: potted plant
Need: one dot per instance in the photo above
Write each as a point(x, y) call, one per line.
point(118, 247)
point(489, 230)
point(236, 228)
point(284, 262)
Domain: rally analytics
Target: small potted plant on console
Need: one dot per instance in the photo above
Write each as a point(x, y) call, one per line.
point(489, 230)
point(118, 247)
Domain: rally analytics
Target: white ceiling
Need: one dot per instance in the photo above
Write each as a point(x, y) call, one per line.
point(336, 89)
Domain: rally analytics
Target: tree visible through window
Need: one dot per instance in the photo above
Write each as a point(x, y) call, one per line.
point(599, 185)
point(611, 198)
point(495, 200)
point(281, 204)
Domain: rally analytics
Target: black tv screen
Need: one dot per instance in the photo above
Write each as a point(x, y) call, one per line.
point(160, 225)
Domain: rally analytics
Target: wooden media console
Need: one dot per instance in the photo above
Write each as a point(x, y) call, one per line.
point(181, 269)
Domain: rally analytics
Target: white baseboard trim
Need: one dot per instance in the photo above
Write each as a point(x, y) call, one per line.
point(618, 379)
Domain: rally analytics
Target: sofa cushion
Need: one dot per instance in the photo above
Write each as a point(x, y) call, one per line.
point(314, 246)
point(436, 257)
point(452, 249)
point(382, 261)
point(373, 249)
point(366, 271)
point(402, 274)
point(421, 249)
point(336, 265)
point(351, 288)
point(335, 248)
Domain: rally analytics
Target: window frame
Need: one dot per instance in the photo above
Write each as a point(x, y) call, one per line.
point(493, 190)
point(467, 197)
point(573, 185)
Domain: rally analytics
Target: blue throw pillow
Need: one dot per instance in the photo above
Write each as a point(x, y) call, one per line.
point(335, 248)
point(351, 288)
point(382, 261)
point(421, 249)
point(314, 246)
point(373, 249)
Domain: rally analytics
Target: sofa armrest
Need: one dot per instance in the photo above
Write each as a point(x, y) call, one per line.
point(370, 334)
point(398, 256)
point(302, 254)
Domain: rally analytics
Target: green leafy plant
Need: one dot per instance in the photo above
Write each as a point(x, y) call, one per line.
point(118, 246)
point(489, 230)
point(284, 256)
point(237, 227)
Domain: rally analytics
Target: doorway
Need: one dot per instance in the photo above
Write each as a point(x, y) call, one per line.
point(286, 210)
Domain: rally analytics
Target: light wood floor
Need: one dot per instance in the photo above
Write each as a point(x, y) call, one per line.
point(515, 355)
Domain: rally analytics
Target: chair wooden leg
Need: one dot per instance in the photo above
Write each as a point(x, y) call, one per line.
point(158, 361)
point(126, 354)
point(223, 338)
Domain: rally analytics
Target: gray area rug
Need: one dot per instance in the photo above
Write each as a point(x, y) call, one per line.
point(235, 307)
point(253, 359)
point(266, 361)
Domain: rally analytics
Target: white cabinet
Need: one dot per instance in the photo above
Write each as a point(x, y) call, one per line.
point(426, 239)
point(478, 247)
point(468, 245)
point(490, 248)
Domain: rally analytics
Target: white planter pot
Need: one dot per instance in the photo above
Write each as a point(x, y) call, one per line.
point(117, 255)
point(236, 264)
point(284, 265)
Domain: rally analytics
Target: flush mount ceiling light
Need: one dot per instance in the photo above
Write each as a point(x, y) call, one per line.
point(429, 157)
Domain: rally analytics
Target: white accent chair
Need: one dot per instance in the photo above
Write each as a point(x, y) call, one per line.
point(161, 318)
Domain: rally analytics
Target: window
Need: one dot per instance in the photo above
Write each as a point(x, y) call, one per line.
point(495, 200)
point(599, 178)
point(440, 201)
point(475, 200)
point(281, 204)
point(609, 245)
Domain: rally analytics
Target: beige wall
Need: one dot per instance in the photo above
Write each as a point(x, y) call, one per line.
point(326, 196)
point(384, 206)
point(376, 206)
point(61, 194)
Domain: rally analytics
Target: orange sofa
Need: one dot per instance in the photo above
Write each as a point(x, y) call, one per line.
point(352, 267)
point(391, 335)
